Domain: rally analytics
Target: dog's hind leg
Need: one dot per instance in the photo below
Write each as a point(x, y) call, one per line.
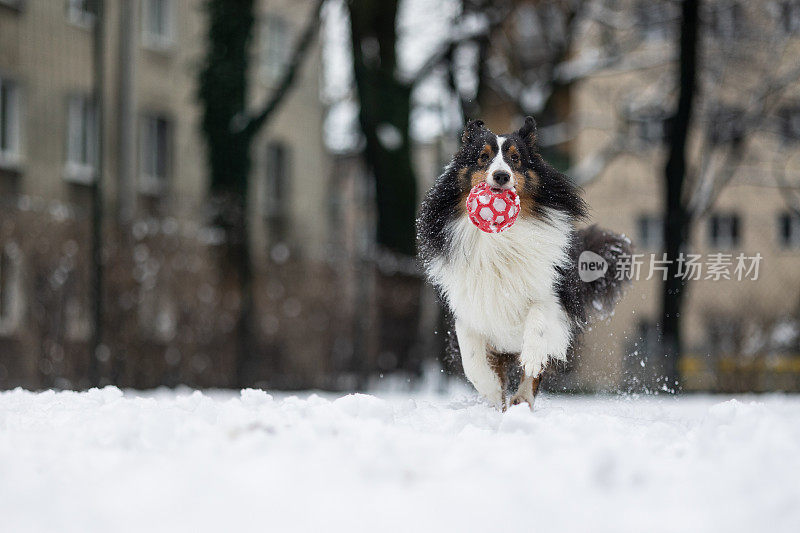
point(502, 364)
point(527, 390)
point(477, 366)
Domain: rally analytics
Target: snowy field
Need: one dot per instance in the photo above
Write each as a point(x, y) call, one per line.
point(103, 461)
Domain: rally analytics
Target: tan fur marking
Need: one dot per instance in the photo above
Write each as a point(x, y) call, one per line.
point(500, 364)
point(477, 176)
point(527, 391)
point(526, 192)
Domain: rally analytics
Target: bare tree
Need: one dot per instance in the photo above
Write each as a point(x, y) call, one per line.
point(676, 227)
point(229, 130)
point(706, 52)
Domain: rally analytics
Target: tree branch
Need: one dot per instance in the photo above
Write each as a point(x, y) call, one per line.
point(252, 124)
point(448, 48)
point(591, 167)
point(711, 183)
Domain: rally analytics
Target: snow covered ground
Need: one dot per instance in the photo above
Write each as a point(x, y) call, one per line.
point(164, 461)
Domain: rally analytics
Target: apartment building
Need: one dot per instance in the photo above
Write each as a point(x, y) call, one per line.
point(166, 301)
point(744, 157)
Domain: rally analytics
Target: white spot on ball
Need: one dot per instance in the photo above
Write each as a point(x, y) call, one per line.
point(486, 213)
point(484, 198)
point(499, 205)
point(499, 219)
point(473, 204)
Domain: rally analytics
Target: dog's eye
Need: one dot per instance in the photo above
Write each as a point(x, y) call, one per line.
point(483, 158)
point(514, 158)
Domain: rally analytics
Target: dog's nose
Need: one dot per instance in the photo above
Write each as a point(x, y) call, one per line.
point(501, 177)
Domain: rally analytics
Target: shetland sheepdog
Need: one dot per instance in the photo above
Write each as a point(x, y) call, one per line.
point(517, 297)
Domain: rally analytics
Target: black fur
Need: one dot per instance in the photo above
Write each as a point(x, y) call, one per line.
point(584, 300)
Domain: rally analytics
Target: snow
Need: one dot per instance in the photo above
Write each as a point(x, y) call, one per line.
point(188, 461)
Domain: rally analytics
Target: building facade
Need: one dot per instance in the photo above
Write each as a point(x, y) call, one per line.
point(742, 188)
point(168, 310)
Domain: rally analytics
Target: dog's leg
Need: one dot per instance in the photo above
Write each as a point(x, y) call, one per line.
point(546, 335)
point(527, 391)
point(501, 364)
point(476, 364)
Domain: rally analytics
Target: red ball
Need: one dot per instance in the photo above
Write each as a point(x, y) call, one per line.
point(491, 209)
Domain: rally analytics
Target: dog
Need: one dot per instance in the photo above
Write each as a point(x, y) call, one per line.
point(517, 296)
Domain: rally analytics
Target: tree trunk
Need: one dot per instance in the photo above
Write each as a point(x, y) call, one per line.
point(385, 108)
point(676, 227)
point(229, 132)
point(98, 53)
point(223, 91)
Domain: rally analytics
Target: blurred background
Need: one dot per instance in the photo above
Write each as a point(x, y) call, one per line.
point(222, 193)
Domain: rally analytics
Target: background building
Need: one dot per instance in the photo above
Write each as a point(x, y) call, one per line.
point(167, 309)
point(333, 308)
point(744, 155)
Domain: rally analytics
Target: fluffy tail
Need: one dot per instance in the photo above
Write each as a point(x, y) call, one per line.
point(593, 281)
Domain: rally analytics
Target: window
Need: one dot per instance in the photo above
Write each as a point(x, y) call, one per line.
point(723, 334)
point(727, 21)
point(10, 288)
point(651, 130)
point(275, 48)
point(649, 338)
point(642, 365)
point(726, 125)
point(157, 20)
point(79, 12)
point(16, 4)
point(648, 125)
point(158, 313)
point(656, 20)
point(154, 153)
point(9, 123)
point(789, 230)
point(790, 123)
point(81, 139)
point(277, 189)
point(77, 320)
point(723, 230)
point(651, 232)
point(790, 16)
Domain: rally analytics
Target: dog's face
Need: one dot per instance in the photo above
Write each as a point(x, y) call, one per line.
point(502, 161)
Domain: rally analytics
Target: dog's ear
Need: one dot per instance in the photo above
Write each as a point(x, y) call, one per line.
point(528, 133)
point(473, 127)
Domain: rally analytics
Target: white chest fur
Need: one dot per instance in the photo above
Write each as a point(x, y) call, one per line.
point(492, 280)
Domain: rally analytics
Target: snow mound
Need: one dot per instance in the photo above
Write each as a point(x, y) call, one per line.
point(188, 461)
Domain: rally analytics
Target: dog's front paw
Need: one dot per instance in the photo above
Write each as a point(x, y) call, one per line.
point(534, 359)
point(522, 396)
point(547, 336)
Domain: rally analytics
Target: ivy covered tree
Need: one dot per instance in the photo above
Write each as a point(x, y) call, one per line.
point(385, 107)
point(229, 129)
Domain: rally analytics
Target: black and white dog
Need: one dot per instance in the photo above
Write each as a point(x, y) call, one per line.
point(516, 296)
